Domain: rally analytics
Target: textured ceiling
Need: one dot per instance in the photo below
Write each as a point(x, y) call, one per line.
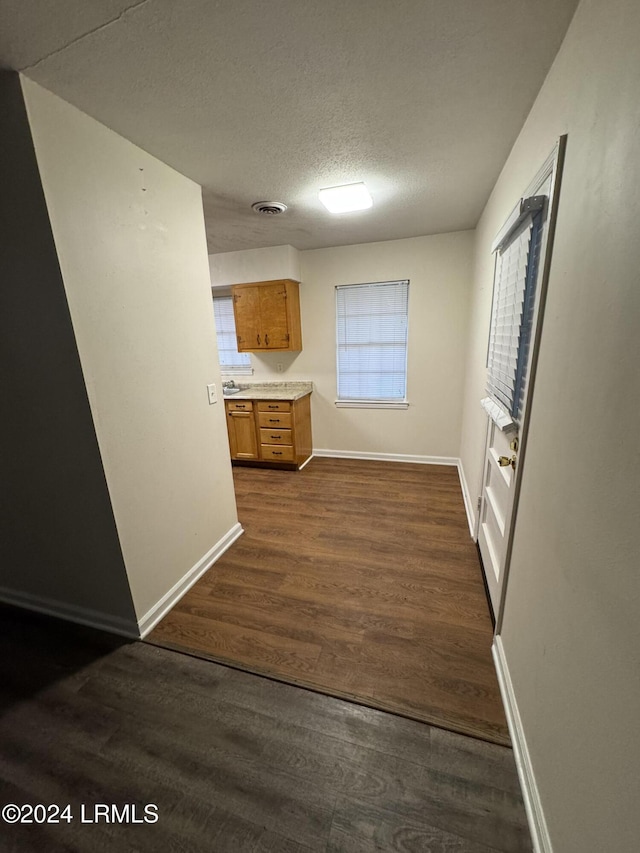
point(274, 99)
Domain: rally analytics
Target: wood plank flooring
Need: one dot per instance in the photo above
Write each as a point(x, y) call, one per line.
point(234, 762)
point(358, 579)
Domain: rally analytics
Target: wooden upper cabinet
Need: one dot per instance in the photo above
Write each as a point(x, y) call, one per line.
point(246, 312)
point(267, 315)
point(273, 316)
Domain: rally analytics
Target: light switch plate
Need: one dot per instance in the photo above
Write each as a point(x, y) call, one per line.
point(213, 394)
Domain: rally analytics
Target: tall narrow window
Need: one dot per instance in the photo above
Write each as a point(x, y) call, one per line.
point(231, 361)
point(372, 322)
point(512, 315)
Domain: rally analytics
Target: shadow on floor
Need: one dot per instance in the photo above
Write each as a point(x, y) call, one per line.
point(36, 651)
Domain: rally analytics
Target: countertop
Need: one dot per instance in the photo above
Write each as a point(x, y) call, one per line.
point(271, 391)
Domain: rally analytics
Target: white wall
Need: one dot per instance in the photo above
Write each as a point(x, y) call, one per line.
point(129, 233)
point(439, 269)
point(250, 265)
point(59, 548)
point(571, 629)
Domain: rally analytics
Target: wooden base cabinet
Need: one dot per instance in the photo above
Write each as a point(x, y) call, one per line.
point(273, 432)
point(242, 430)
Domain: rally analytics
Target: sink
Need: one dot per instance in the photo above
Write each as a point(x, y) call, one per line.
point(227, 392)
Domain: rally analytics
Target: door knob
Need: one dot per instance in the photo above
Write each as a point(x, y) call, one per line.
point(503, 461)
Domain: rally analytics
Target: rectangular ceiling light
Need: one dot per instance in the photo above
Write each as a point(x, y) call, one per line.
point(347, 198)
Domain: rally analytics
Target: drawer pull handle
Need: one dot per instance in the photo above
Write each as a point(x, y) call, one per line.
point(274, 436)
point(277, 452)
point(273, 407)
point(274, 420)
point(238, 406)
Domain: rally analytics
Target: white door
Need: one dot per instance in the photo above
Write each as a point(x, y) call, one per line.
point(497, 506)
point(522, 263)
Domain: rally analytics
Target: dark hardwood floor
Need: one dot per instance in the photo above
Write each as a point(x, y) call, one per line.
point(358, 579)
point(234, 762)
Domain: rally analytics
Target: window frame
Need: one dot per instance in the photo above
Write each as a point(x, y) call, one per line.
point(506, 373)
point(238, 369)
point(379, 402)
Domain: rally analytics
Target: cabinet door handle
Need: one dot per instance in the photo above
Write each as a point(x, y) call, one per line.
point(266, 340)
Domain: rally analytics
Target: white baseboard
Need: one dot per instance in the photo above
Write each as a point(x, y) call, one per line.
point(116, 624)
point(468, 505)
point(530, 795)
point(151, 618)
point(71, 613)
point(387, 457)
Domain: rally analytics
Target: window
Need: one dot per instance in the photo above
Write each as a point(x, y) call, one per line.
point(372, 344)
point(231, 361)
point(512, 316)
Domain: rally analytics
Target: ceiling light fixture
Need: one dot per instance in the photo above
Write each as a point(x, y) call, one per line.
point(346, 198)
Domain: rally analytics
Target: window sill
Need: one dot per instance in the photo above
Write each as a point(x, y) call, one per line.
point(372, 404)
point(237, 371)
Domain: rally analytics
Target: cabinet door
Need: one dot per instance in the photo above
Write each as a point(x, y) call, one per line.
point(246, 312)
point(273, 315)
point(242, 435)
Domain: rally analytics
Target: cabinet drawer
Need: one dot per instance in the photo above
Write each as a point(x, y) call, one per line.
point(274, 406)
point(277, 452)
point(275, 436)
point(269, 420)
point(239, 405)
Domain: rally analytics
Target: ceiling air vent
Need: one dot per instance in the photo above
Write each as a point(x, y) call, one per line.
point(270, 208)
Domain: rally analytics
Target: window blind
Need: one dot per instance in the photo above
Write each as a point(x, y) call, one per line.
point(528, 309)
point(372, 322)
point(512, 316)
point(231, 361)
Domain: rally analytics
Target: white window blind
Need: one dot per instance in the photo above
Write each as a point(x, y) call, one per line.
point(511, 318)
point(372, 341)
point(231, 361)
